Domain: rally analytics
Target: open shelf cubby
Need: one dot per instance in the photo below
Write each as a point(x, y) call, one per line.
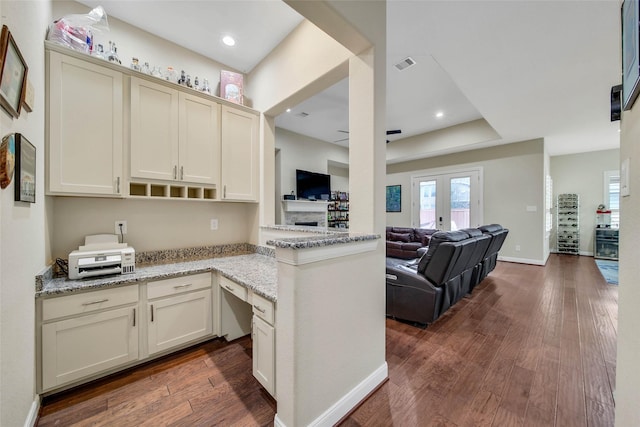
point(148, 190)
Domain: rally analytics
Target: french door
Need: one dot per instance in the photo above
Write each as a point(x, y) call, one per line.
point(447, 201)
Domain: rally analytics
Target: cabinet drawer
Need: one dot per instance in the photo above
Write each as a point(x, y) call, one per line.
point(263, 308)
point(233, 287)
point(88, 302)
point(178, 285)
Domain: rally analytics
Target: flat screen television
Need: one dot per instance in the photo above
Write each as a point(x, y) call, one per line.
point(312, 185)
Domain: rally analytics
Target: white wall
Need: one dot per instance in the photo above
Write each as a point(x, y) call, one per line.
point(22, 247)
point(583, 174)
point(627, 393)
point(151, 224)
point(513, 175)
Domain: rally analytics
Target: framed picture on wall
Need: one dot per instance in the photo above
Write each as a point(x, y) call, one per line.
point(25, 170)
point(630, 52)
point(13, 74)
point(394, 198)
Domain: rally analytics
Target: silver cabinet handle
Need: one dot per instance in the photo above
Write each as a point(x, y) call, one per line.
point(224, 191)
point(134, 317)
point(118, 185)
point(175, 172)
point(152, 312)
point(229, 288)
point(181, 173)
point(260, 309)
point(182, 286)
point(95, 302)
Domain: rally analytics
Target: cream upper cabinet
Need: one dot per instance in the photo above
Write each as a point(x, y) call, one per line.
point(154, 130)
point(199, 152)
point(240, 157)
point(85, 123)
point(175, 136)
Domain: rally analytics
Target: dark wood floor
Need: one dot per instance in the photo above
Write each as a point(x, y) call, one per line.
point(533, 346)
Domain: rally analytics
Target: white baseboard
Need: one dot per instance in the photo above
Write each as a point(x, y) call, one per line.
point(349, 401)
point(32, 417)
point(581, 253)
point(521, 260)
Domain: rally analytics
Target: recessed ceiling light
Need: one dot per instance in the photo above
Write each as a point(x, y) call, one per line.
point(439, 115)
point(288, 110)
point(228, 40)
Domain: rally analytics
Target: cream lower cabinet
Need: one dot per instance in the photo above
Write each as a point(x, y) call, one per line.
point(263, 334)
point(85, 128)
point(178, 311)
point(243, 311)
point(88, 333)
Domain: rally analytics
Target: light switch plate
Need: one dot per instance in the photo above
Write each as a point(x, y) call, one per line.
point(624, 178)
point(214, 224)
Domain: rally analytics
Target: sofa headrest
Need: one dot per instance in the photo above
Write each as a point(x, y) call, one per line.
point(472, 232)
point(399, 237)
point(437, 238)
point(490, 228)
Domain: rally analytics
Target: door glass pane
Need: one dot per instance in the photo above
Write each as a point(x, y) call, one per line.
point(460, 202)
point(428, 204)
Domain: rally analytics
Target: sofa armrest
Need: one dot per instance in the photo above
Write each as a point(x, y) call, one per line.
point(405, 275)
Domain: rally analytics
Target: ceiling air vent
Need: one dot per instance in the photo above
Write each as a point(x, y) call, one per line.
point(405, 63)
point(302, 114)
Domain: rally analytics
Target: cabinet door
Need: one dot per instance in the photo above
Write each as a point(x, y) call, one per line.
point(179, 319)
point(154, 130)
point(86, 345)
point(199, 152)
point(240, 169)
point(263, 336)
point(85, 112)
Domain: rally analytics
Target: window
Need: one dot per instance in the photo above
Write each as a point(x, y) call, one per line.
point(612, 196)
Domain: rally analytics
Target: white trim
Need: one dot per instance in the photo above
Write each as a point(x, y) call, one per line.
point(305, 205)
point(581, 253)
point(521, 260)
point(322, 253)
point(32, 417)
point(349, 401)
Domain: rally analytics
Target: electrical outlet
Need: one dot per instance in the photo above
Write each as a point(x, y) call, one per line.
point(124, 227)
point(214, 224)
point(517, 248)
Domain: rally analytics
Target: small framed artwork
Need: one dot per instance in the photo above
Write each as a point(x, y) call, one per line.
point(25, 170)
point(231, 86)
point(394, 198)
point(13, 74)
point(630, 51)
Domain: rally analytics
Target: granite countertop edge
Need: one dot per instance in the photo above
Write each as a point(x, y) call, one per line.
point(320, 241)
point(254, 271)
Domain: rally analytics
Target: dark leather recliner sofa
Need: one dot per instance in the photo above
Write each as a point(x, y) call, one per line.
point(405, 242)
point(420, 291)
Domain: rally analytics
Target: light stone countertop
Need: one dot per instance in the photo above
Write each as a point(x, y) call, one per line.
point(319, 241)
point(306, 229)
point(254, 271)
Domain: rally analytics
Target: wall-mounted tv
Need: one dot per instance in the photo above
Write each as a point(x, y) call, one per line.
point(312, 185)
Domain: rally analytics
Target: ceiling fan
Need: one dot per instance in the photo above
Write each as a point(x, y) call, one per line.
point(389, 132)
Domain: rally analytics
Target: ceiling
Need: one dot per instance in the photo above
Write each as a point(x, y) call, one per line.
point(531, 69)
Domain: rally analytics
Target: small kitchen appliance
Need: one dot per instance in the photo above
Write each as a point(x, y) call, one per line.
point(101, 255)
